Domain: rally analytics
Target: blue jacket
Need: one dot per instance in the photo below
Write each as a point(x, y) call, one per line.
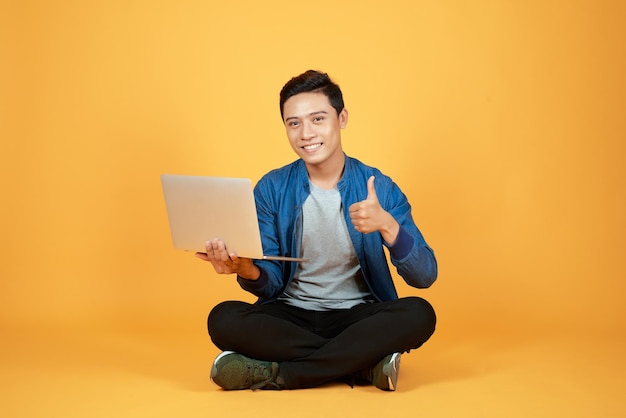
point(279, 197)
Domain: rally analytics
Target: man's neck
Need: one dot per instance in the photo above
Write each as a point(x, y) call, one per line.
point(327, 176)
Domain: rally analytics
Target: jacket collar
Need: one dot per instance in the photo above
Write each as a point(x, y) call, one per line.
point(302, 175)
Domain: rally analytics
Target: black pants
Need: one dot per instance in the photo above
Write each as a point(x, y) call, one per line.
point(314, 347)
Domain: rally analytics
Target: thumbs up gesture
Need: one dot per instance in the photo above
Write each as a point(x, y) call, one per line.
point(368, 216)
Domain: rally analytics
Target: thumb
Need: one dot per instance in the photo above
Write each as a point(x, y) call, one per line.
point(371, 190)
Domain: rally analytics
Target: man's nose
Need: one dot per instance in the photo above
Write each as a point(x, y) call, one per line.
point(308, 131)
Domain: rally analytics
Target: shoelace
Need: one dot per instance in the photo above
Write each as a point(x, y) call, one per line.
point(255, 370)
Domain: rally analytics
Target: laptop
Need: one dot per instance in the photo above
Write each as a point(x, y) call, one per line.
point(200, 208)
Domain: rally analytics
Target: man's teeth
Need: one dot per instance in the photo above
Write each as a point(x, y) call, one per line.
point(310, 147)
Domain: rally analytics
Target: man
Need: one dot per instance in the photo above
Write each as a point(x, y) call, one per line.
point(337, 315)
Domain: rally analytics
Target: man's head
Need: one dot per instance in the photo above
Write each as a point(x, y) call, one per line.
point(312, 82)
point(314, 115)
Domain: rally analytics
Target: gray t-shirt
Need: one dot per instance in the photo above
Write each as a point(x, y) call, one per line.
point(332, 278)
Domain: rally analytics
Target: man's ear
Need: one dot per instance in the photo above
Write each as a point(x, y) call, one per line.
point(343, 118)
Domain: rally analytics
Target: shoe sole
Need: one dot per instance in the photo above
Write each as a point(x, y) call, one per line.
point(391, 370)
point(214, 367)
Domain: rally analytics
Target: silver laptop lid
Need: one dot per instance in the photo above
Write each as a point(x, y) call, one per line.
point(200, 208)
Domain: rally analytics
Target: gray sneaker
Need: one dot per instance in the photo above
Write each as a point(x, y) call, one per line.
point(233, 371)
point(385, 373)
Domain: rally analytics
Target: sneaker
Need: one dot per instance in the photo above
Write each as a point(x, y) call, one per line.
point(384, 375)
point(233, 371)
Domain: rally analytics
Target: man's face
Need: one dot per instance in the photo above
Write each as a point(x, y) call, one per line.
point(314, 128)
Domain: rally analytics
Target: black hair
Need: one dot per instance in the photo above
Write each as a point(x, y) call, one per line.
point(312, 81)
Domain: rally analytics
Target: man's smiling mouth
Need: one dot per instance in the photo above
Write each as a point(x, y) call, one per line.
point(312, 146)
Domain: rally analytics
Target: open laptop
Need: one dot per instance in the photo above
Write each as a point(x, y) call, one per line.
point(201, 208)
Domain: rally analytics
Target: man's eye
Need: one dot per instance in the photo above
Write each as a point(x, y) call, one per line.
point(293, 124)
point(318, 119)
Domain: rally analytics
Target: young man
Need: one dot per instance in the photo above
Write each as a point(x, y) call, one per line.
point(337, 315)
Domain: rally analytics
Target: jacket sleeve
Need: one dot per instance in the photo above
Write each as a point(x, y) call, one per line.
point(413, 259)
point(264, 287)
point(270, 283)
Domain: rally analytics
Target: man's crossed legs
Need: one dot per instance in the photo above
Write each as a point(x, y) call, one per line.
point(278, 346)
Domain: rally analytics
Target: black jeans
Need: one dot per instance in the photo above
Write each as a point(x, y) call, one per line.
point(312, 347)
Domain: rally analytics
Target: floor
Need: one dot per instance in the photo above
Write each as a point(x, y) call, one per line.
point(71, 372)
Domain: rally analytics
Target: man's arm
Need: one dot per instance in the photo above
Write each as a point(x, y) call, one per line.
point(410, 254)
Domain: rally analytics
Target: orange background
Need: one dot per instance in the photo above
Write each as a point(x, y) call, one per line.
point(502, 121)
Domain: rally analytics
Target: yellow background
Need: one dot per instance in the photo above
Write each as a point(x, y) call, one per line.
point(503, 122)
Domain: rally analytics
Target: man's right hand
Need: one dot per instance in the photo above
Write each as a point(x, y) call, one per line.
point(228, 263)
